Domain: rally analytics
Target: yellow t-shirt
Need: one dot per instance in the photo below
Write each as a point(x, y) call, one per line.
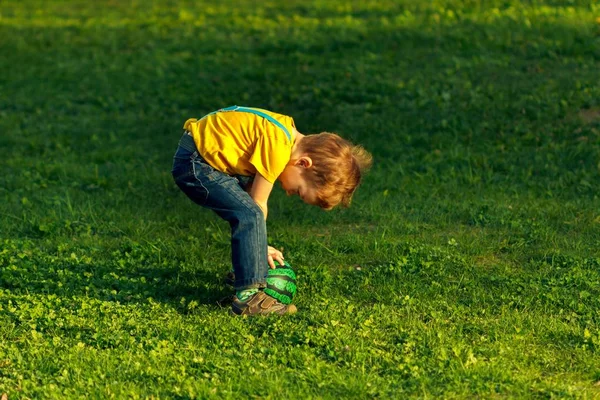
point(243, 143)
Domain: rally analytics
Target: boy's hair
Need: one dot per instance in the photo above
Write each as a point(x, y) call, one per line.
point(337, 167)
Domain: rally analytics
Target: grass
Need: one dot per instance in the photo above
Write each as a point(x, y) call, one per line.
point(467, 267)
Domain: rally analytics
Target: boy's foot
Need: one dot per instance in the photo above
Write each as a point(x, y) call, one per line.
point(230, 278)
point(226, 301)
point(261, 304)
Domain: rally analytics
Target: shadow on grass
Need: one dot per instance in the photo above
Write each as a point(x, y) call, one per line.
point(130, 276)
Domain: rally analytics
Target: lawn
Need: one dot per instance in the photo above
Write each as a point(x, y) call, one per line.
point(468, 265)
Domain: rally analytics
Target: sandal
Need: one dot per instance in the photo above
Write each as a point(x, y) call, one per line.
point(261, 304)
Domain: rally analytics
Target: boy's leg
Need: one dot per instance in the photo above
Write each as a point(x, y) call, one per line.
point(248, 233)
point(223, 194)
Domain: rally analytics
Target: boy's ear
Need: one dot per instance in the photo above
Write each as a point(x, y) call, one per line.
point(304, 162)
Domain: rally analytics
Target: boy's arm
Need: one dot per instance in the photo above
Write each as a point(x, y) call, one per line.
point(260, 192)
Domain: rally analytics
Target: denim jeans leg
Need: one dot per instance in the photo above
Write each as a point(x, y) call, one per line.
point(248, 239)
point(224, 195)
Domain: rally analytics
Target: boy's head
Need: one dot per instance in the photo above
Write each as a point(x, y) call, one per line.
point(325, 170)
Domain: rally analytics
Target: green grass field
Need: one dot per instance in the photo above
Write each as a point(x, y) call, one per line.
point(467, 267)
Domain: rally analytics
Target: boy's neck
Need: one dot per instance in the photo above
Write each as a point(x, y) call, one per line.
point(297, 139)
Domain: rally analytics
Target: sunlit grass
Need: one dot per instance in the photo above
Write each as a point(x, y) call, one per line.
point(467, 266)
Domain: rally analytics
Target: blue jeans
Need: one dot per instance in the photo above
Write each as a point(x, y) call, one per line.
point(225, 195)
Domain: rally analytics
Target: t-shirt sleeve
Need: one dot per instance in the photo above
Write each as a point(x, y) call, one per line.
point(270, 156)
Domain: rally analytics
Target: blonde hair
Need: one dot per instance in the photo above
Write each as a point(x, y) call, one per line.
point(337, 167)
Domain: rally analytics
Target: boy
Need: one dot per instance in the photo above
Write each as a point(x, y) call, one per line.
point(228, 162)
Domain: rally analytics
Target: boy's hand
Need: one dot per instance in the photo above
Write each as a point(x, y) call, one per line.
point(274, 254)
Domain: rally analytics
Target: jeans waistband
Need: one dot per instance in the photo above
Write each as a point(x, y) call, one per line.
point(187, 142)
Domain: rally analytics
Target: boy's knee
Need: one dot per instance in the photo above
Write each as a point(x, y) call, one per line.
point(253, 213)
point(250, 215)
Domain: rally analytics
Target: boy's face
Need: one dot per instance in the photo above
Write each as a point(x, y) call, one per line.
point(294, 183)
